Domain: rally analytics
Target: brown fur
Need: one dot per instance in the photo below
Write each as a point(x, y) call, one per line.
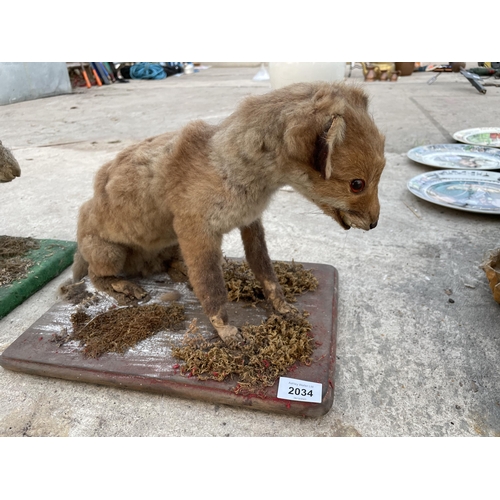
point(185, 190)
point(9, 168)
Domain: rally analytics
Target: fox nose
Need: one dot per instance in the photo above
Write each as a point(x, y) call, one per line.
point(373, 225)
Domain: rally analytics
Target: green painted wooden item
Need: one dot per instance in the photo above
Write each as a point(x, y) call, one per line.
point(49, 260)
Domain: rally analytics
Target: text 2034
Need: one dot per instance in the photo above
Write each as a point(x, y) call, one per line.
point(299, 392)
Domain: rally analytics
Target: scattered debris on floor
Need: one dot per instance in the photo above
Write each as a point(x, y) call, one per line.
point(491, 266)
point(13, 264)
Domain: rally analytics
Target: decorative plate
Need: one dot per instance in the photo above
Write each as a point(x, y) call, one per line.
point(483, 136)
point(457, 156)
point(469, 190)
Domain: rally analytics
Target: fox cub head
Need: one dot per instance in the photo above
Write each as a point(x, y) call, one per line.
point(345, 157)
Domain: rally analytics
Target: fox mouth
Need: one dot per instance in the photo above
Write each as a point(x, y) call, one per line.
point(336, 214)
point(342, 222)
point(347, 223)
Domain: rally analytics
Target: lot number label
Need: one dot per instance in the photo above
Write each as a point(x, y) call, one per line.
point(299, 390)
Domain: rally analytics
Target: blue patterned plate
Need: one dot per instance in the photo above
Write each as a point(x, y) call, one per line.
point(457, 156)
point(469, 190)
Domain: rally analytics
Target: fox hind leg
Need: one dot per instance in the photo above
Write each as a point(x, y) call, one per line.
point(106, 261)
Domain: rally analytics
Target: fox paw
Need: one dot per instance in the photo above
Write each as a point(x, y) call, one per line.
point(130, 290)
point(229, 334)
point(282, 307)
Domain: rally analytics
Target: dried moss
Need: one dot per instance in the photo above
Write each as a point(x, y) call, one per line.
point(269, 350)
point(77, 294)
point(119, 329)
point(242, 285)
point(13, 265)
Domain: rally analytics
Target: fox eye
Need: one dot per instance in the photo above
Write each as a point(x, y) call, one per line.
point(357, 185)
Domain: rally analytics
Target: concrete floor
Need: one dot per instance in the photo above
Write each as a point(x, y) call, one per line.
point(409, 362)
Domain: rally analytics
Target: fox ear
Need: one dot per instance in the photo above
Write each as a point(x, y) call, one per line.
point(357, 97)
point(332, 135)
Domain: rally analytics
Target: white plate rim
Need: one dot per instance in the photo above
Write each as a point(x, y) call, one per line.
point(460, 135)
point(463, 175)
point(495, 152)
